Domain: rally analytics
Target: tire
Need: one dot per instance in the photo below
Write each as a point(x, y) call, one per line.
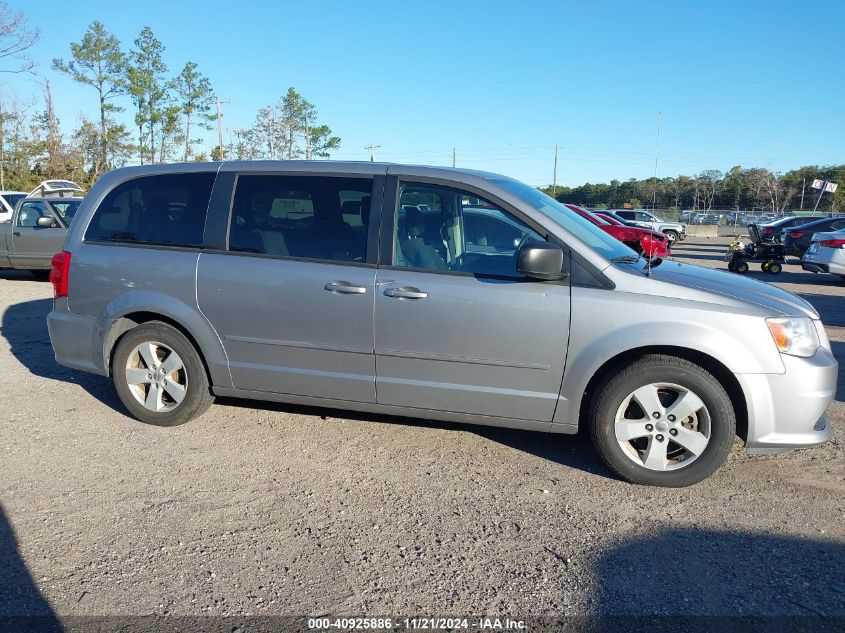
point(615, 413)
point(164, 394)
point(731, 265)
point(673, 237)
point(765, 266)
point(41, 275)
point(774, 268)
point(741, 268)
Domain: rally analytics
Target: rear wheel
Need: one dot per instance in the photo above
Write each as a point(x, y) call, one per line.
point(662, 421)
point(159, 376)
point(774, 268)
point(765, 266)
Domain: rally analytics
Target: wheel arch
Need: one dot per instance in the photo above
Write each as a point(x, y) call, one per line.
point(188, 321)
point(702, 359)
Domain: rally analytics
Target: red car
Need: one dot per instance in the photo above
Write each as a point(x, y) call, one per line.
point(649, 243)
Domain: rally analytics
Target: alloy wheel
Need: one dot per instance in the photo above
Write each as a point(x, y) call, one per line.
point(662, 426)
point(156, 376)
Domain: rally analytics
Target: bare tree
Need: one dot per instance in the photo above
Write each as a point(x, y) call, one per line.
point(15, 39)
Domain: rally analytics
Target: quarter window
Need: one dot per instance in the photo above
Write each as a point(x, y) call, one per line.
point(312, 217)
point(167, 210)
point(446, 229)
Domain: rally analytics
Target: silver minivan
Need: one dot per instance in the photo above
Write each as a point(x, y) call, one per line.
point(435, 293)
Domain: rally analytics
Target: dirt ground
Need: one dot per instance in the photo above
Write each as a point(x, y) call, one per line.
point(276, 509)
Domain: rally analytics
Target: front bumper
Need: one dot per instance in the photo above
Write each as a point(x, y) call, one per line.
point(787, 411)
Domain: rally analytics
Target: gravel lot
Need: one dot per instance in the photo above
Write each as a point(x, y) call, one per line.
point(276, 509)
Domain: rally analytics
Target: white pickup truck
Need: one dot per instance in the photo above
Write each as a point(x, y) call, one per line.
point(673, 230)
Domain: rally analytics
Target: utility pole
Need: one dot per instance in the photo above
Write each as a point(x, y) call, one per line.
point(372, 147)
point(453, 157)
point(656, 155)
point(554, 175)
point(220, 125)
point(803, 184)
point(2, 146)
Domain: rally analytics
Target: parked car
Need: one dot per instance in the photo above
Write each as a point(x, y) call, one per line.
point(258, 280)
point(36, 231)
point(8, 200)
point(707, 218)
point(796, 240)
point(826, 254)
point(644, 241)
point(774, 230)
point(674, 230)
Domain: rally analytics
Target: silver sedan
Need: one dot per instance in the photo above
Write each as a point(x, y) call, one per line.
point(826, 254)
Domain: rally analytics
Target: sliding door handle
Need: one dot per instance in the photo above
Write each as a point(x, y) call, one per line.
point(405, 293)
point(344, 288)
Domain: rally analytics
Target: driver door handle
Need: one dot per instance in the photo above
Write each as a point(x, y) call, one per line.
point(344, 288)
point(405, 293)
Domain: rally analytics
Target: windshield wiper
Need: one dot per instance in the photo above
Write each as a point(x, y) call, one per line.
point(626, 259)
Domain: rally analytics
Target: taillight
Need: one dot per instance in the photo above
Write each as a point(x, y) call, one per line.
point(797, 234)
point(833, 243)
point(59, 274)
point(768, 231)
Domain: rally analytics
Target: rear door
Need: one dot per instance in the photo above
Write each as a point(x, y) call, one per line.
point(457, 328)
point(291, 292)
point(34, 246)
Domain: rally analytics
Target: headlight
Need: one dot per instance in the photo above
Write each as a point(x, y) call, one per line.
point(795, 336)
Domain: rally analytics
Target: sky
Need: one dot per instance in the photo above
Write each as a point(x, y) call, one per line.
point(757, 84)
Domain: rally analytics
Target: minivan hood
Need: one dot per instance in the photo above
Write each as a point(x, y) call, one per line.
point(687, 281)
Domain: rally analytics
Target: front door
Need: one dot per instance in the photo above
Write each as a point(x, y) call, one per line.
point(292, 299)
point(34, 246)
point(457, 328)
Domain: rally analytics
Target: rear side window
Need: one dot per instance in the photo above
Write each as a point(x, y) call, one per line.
point(166, 210)
point(312, 217)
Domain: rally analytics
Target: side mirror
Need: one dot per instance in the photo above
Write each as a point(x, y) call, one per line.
point(45, 222)
point(541, 260)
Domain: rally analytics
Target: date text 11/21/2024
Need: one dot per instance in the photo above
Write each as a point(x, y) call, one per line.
point(418, 623)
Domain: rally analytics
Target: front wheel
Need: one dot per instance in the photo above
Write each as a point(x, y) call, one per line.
point(662, 421)
point(672, 237)
point(159, 375)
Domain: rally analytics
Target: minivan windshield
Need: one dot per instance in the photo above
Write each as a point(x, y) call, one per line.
point(583, 229)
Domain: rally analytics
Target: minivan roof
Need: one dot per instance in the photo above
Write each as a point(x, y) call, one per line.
point(308, 165)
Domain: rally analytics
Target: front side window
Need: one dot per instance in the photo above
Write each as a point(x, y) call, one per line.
point(312, 217)
point(166, 210)
point(444, 229)
point(30, 212)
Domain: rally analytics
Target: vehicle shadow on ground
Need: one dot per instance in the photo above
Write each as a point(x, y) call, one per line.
point(838, 348)
point(692, 258)
point(661, 581)
point(22, 607)
point(24, 326)
point(572, 451)
point(831, 308)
